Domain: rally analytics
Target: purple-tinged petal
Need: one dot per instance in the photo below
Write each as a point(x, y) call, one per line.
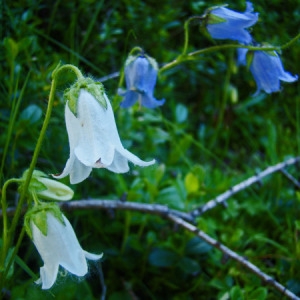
point(130, 98)
point(242, 54)
point(234, 24)
point(150, 102)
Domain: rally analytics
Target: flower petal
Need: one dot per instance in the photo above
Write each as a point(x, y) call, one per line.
point(79, 172)
point(98, 132)
point(267, 71)
point(59, 247)
point(150, 102)
point(119, 164)
point(134, 159)
point(92, 256)
point(130, 98)
point(48, 275)
point(233, 27)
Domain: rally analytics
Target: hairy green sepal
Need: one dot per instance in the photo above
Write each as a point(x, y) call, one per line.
point(38, 215)
point(96, 89)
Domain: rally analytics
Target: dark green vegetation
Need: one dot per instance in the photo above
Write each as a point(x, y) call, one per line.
point(205, 139)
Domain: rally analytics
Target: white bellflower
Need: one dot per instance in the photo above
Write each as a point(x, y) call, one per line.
point(93, 136)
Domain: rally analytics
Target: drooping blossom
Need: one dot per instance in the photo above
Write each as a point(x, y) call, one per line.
point(223, 23)
point(93, 136)
point(57, 244)
point(266, 68)
point(140, 77)
point(45, 188)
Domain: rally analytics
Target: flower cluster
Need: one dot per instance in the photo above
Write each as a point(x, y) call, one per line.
point(266, 67)
point(94, 140)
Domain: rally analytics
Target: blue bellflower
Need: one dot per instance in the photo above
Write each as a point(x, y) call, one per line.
point(266, 68)
point(140, 76)
point(223, 23)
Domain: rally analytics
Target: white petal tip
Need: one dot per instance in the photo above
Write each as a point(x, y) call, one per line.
point(92, 256)
point(148, 163)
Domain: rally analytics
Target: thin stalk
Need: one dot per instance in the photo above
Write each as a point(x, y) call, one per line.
point(5, 219)
point(16, 248)
point(186, 32)
point(223, 102)
point(191, 56)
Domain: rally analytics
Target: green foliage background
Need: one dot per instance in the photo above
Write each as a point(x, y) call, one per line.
point(210, 134)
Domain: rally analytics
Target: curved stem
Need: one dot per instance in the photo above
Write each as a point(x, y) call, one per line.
point(293, 40)
point(191, 56)
point(5, 245)
point(186, 32)
point(136, 49)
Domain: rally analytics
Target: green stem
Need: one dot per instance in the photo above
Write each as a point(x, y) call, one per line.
point(293, 40)
point(223, 102)
point(5, 220)
point(136, 49)
point(16, 248)
point(126, 230)
point(186, 32)
point(191, 56)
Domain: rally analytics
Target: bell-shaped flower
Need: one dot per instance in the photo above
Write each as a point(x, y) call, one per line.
point(56, 242)
point(140, 77)
point(93, 136)
point(224, 23)
point(47, 189)
point(266, 68)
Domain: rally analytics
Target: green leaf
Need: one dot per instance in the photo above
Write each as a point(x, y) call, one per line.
point(258, 294)
point(236, 293)
point(189, 266)
point(170, 196)
point(191, 183)
point(181, 113)
point(197, 246)
point(31, 114)
point(162, 258)
point(12, 50)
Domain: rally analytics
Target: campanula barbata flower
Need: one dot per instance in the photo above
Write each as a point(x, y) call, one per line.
point(140, 77)
point(93, 136)
point(57, 244)
point(44, 188)
point(266, 68)
point(224, 23)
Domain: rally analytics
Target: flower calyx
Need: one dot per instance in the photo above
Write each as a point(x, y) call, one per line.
point(96, 89)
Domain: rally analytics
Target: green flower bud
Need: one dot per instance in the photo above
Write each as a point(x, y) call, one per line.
point(48, 189)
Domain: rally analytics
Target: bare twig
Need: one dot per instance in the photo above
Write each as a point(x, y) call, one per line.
point(291, 178)
point(242, 185)
point(102, 281)
point(266, 278)
point(156, 209)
